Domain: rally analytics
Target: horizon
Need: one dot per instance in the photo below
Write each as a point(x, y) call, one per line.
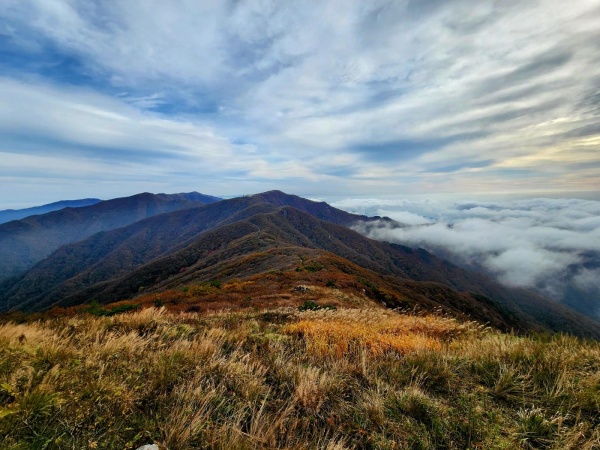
point(332, 199)
point(108, 99)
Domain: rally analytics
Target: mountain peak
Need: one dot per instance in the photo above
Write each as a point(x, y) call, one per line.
point(276, 195)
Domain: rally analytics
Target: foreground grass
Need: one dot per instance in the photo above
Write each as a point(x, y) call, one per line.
point(329, 379)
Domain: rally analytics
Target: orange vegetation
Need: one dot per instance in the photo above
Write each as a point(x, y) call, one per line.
point(329, 333)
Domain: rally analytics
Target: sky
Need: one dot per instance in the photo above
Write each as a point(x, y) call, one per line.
point(322, 99)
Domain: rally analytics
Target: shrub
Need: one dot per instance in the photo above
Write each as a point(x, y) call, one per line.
point(310, 305)
point(215, 283)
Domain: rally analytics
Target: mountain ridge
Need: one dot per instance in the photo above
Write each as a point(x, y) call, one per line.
point(27, 241)
point(131, 245)
point(212, 241)
point(8, 215)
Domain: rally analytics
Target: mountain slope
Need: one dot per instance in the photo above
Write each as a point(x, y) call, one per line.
point(248, 236)
point(25, 242)
point(117, 252)
point(16, 214)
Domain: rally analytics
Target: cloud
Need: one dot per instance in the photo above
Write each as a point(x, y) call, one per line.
point(97, 126)
point(588, 280)
point(529, 267)
point(551, 245)
point(372, 97)
point(56, 138)
point(405, 217)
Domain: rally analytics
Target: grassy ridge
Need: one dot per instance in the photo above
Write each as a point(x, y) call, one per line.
point(279, 378)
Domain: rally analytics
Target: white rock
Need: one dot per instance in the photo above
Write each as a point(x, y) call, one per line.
point(148, 447)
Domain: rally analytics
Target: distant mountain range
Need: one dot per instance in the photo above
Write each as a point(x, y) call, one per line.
point(27, 241)
point(255, 236)
point(7, 215)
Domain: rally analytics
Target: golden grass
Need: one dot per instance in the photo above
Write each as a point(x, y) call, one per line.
point(336, 333)
point(280, 378)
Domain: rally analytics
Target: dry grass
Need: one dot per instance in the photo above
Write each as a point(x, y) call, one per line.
point(336, 333)
point(283, 379)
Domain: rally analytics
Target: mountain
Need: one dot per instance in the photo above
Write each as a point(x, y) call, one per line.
point(25, 242)
point(273, 232)
point(117, 252)
point(16, 214)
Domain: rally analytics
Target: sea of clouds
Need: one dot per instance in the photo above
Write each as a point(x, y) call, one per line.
point(549, 245)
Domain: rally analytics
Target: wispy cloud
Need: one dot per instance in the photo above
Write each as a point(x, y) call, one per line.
point(371, 97)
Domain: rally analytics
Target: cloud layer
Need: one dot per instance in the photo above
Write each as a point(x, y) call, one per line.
point(551, 245)
point(367, 97)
